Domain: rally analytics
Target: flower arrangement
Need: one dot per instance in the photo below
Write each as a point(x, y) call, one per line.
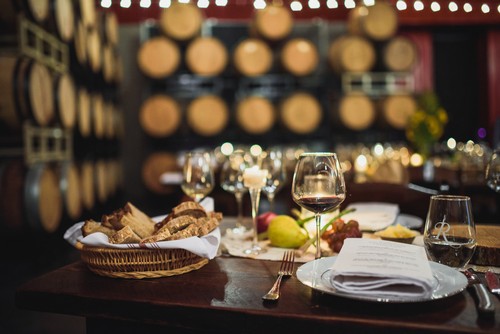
point(427, 124)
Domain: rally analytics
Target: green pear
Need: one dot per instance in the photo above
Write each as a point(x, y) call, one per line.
point(283, 231)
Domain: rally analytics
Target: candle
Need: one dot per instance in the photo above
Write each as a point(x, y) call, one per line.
point(254, 177)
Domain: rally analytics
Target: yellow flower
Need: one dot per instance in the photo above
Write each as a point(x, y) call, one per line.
point(442, 116)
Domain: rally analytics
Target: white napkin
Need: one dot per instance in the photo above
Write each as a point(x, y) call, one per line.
point(206, 246)
point(373, 216)
point(382, 268)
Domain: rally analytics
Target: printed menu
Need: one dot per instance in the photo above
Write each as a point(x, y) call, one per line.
point(383, 268)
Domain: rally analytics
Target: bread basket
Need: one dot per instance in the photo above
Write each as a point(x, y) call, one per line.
point(138, 263)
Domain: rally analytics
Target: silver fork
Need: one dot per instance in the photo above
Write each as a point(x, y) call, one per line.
point(286, 270)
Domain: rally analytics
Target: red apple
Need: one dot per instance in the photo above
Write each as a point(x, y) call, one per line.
point(263, 221)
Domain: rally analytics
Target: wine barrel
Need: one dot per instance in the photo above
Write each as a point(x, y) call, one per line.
point(206, 56)
point(70, 187)
point(98, 115)
point(34, 91)
point(8, 113)
point(87, 13)
point(12, 179)
point(355, 111)
point(160, 116)
point(36, 10)
point(42, 198)
point(255, 115)
point(252, 57)
point(101, 182)
point(154, 166)
point(80, 43)
point(94, 52)
point(87, 184)
point(181, 21)
point(108, 67)
point(63, 18)
point(65, 100)
point(84, 113)
point(207, 115)
point(399, 54)
point(274, 22)
point(378, 22)
point(396, 110)
point(109, 120)
point(301, 113)
point(8, 16)
point(118, 77)
point(110, 28)
point(158, 57)
point(299, 56)
point(351, 54)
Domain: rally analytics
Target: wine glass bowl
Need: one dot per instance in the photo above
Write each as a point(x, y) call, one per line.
point(197, 176)
point(492, 174)
point(273, 162)
point(450, 233)
point(318, 185)
point(254, 179)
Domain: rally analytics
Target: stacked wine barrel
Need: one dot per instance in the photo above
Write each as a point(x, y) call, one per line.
point(372, 45)
point(81, 100)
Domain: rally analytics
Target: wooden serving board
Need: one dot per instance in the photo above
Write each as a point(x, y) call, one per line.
point(487, 251)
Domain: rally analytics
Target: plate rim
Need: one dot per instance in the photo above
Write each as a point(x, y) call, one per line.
point(435, 268)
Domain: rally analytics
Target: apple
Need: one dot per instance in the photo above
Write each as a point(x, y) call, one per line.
point(263, 221)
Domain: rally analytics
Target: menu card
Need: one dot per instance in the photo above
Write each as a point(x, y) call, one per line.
point(382, 268)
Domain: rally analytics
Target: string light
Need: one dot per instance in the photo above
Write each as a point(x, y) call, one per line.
point(349, 4)
point(401, 5)
point(105, 3)
point(165, 3)
point(203, 3)
point(221, 3)
point(125, 3)
point(313, 4)
point(418, 5)
point(145, 3)
point(369, 2)
point(435, 7)
point(259, 4)
point(296, 6)
point(467, 7)
point(452, 7)
point(485, 8)
point(332, 4)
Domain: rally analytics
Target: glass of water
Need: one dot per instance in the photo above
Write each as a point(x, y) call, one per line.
point(450, 232)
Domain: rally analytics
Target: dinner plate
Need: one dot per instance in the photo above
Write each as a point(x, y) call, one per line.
point(447, 282)
point(409, 221)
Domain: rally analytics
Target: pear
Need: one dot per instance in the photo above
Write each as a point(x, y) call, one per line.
point(284, 232)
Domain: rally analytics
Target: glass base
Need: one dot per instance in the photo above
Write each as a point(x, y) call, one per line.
point(239, 230)
point(255, 250)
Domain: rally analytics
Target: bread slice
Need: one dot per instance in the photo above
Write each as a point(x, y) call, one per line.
point(124, 236)
point(189, 208)
point(90, 226)
point(190, 231)
point(160, 235)
point(206, 225)
point(179, 223)
point(142, 228)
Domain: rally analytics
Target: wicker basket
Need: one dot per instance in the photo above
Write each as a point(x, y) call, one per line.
point(140, 263)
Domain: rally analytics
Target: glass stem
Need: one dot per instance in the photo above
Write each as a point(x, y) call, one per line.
point(318, 237)
point(239, 203)
point(270, 197)
point(255, 198)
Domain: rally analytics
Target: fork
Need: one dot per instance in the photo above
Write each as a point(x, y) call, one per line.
point(286, 270)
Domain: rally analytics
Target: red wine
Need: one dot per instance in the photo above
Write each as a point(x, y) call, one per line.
point(320, 204)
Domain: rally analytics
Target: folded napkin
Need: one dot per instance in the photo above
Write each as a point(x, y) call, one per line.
point(382, 268)
point(206, 246)
point(373, 216)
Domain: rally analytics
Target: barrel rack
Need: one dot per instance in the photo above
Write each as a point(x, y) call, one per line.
point(42, 144)
point(376, 84)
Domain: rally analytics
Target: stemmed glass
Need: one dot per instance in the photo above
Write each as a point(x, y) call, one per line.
point(254, 179)
point(231, 180)
point(450, 233)
point(198, 175)
point(493, 171)
point(318, 185)
point(272, 161)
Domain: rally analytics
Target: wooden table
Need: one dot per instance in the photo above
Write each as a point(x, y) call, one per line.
point(225, 297)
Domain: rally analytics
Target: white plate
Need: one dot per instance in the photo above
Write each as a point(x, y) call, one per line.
point(409, 221)
point(448, 282)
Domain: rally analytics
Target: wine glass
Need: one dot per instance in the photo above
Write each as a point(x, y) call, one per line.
point(198, 175)
point(254, 179)
point(231, 180)
point(318, 185)
point(272, 161)
point(450, 233)
point(493, 171)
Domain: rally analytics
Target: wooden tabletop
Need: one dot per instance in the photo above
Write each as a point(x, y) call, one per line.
point(224, 296)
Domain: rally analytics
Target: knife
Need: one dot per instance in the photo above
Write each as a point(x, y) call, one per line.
point(492, 281)
point(485, 304)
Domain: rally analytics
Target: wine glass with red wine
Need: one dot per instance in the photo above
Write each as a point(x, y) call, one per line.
point(318, 186)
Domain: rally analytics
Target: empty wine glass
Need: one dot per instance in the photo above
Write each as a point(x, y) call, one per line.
point(272, 161)
point(450, 233)
point(198, 175)
point(231, 180)
point(318, 185)
point(493, 171)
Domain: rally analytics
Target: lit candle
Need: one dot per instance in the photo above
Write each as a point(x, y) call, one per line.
point(254, 177)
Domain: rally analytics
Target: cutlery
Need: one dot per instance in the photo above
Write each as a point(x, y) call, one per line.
point(493, 282)
point(484, 304)
point(286, 270)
